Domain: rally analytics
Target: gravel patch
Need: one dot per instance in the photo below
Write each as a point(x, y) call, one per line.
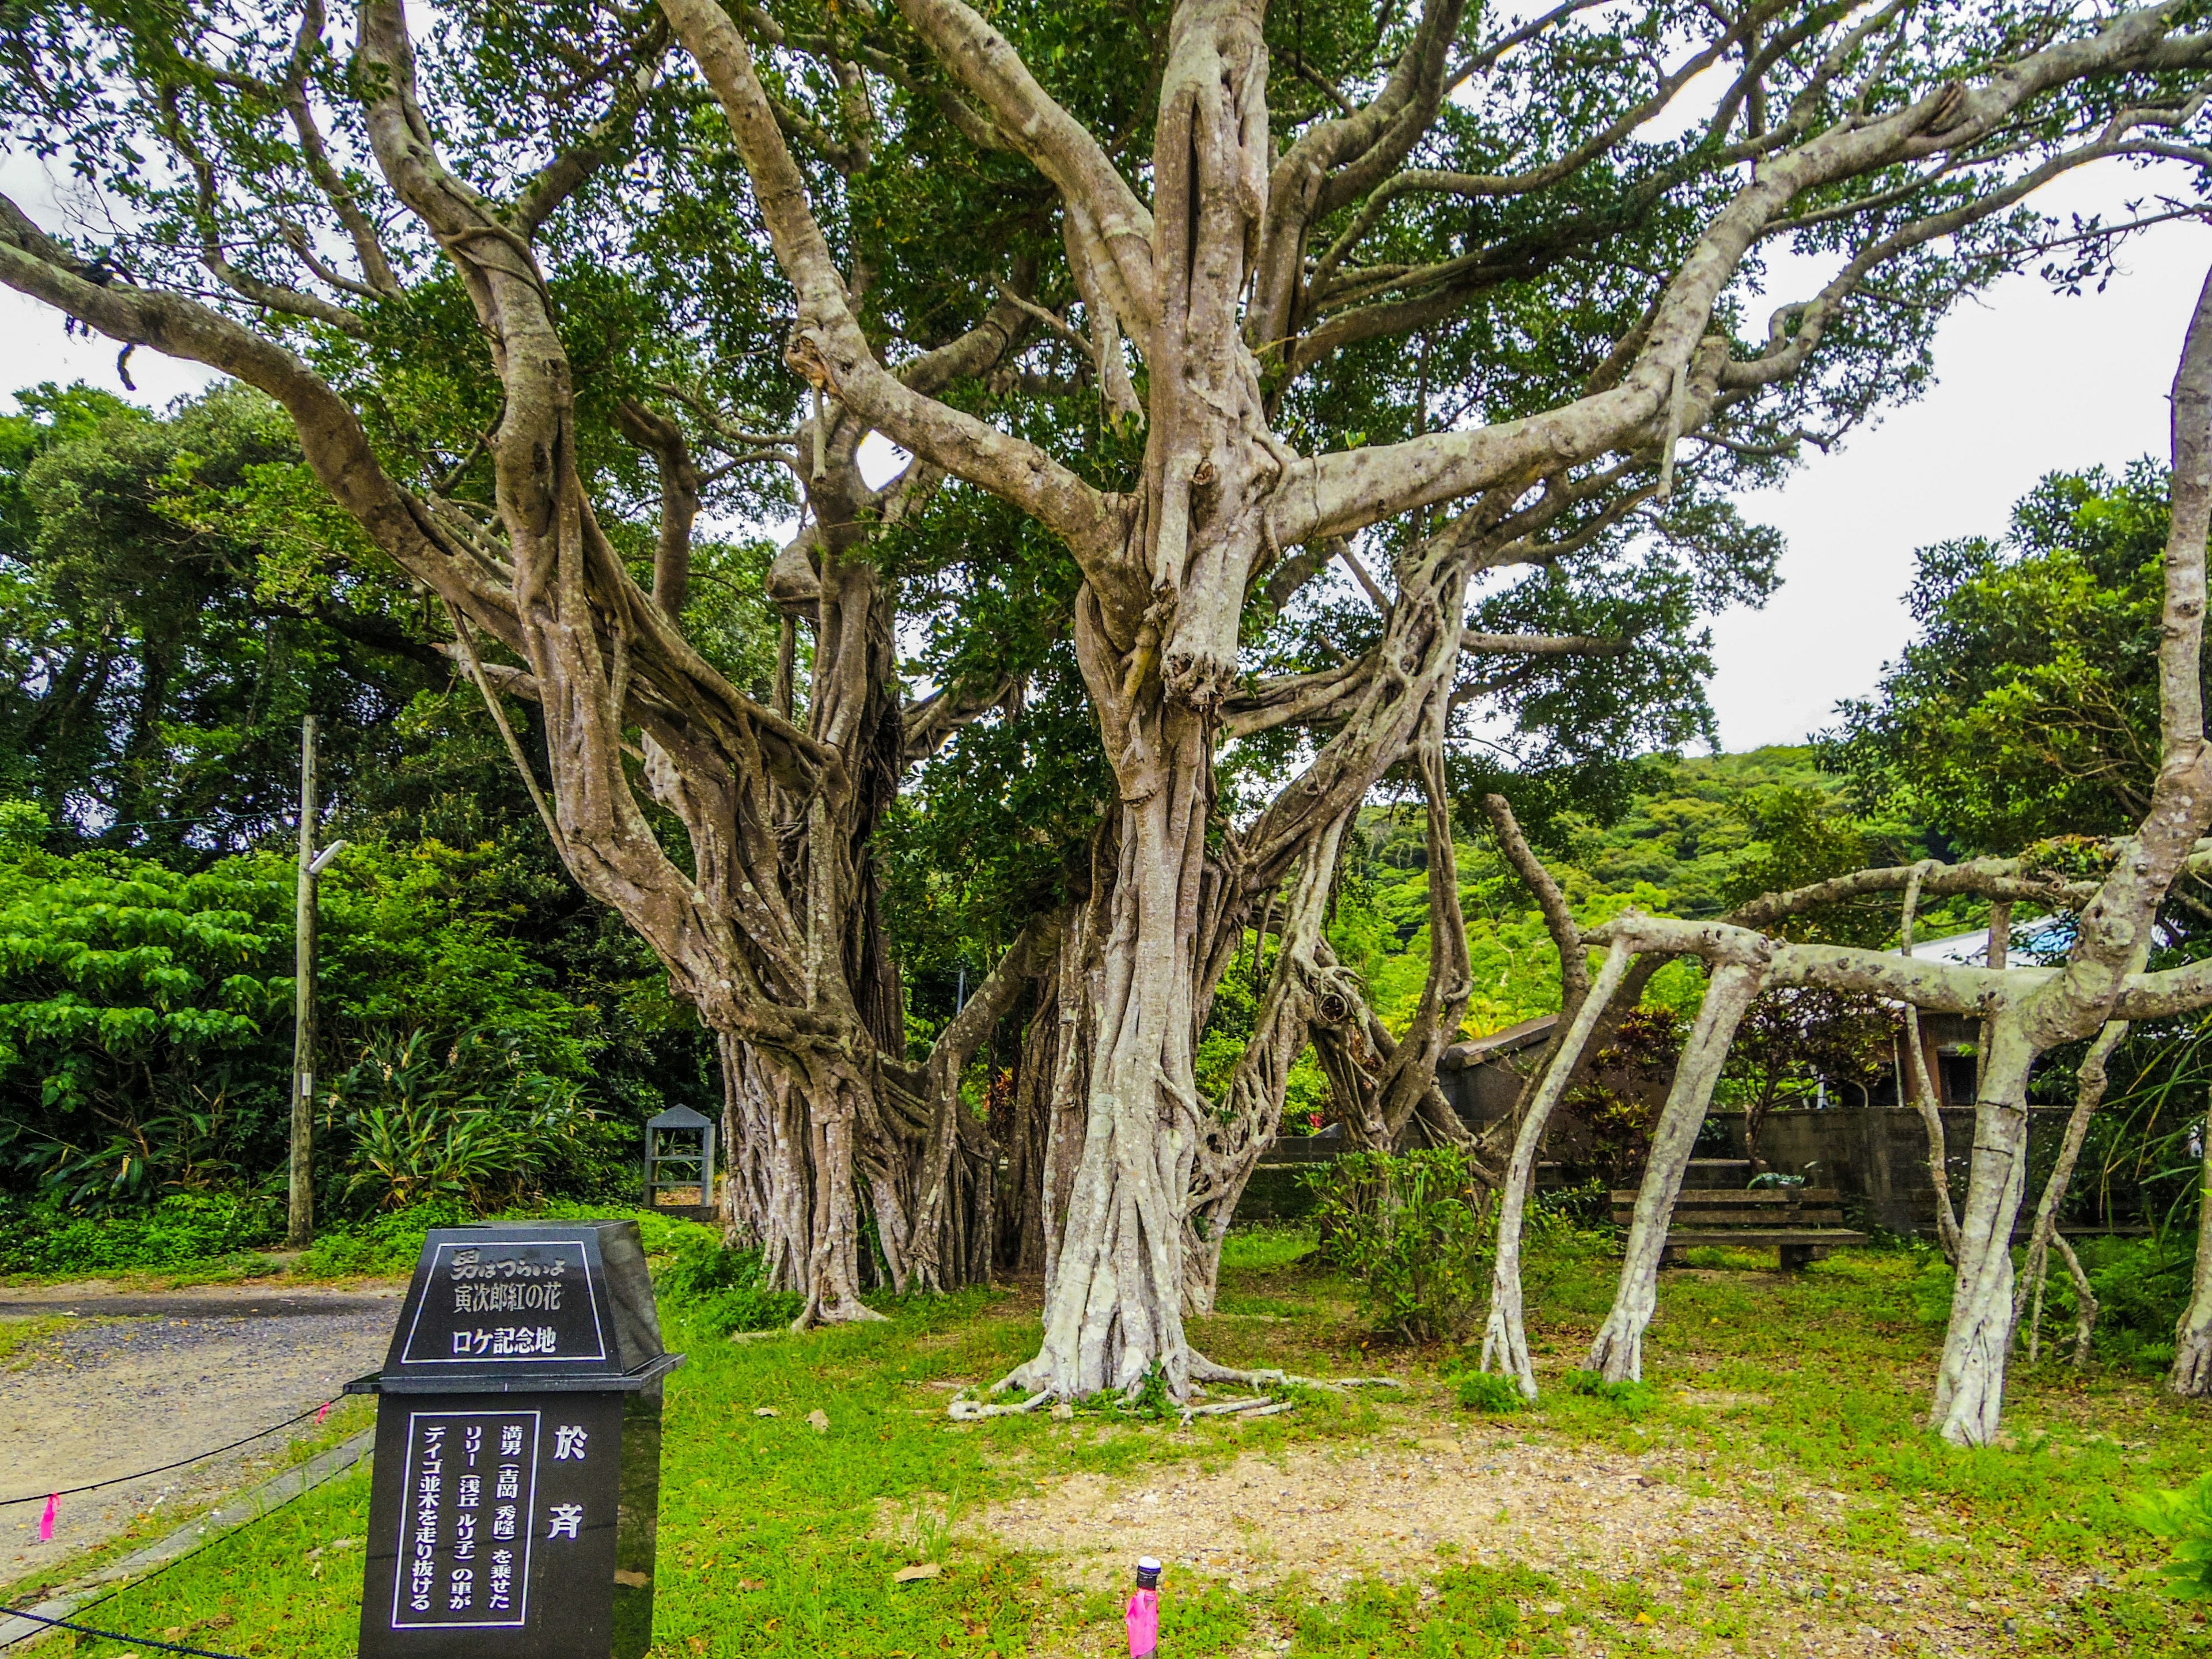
point(1328, 1517)
point(135, 1380)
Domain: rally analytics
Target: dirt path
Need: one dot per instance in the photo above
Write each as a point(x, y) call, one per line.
point(1326, 1516)
point(112, 1381)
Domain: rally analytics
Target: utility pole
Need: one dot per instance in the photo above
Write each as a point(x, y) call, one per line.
point(312, 864)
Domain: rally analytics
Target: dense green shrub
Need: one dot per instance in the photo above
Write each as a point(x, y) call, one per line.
point(1633, 1399)
point(467, 1120)
point(1412, 1230)
point(2141, 1285)
point(145, 1033)
point(1487, 1391)
point(137, 1007)
point(2184, 1516)
point(181, 1231)
point(383, 1246)
point(720, 1290)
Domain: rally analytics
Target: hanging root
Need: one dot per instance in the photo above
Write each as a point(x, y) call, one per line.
point(2085, 1300)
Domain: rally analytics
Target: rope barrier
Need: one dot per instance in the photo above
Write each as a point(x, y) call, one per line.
point(197, 1458)
point(114, 1636)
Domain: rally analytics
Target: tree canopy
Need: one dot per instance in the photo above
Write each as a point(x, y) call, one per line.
point(1309, 398)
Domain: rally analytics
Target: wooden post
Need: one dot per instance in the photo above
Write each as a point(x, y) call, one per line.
point(302, 1217)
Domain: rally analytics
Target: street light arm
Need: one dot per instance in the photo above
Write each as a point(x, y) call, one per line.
point(321, 861)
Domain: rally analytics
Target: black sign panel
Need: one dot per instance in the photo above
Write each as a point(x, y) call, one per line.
point(493, 1522)
point(465, 1530)
point(516, 1494)
point(484, 1300)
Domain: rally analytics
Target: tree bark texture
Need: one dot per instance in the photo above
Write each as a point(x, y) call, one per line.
point(1505, 1336)
point(1617, 1354)
point(2089, 1095)
point(2190, 1376)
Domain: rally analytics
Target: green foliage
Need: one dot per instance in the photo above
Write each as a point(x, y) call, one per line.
point(2184, 1516)
point(182, 1230)
point(135, 1012)
point(722, 1289)
point(1475, 1611)
point(175, 592)
point(382, 1246)
point(145, 1028)
point(2141, 1285)
point(1798, 1042)
point(388, 1243)
point(1630, 1399)
point(1489, 1393)
point(1618, 1105)
point(1410, 1231)
point(467, 1121)
point(2028, 707)
point(1685, 836)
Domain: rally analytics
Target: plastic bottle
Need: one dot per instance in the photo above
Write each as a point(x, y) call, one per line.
point(1142, 1620)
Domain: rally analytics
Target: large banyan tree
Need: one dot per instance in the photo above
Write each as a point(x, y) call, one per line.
point(1373, 376)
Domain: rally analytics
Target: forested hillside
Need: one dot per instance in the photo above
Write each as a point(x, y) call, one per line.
point(1700, 833)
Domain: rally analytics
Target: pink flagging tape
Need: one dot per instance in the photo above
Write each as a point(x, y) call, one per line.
point(1143, 1621)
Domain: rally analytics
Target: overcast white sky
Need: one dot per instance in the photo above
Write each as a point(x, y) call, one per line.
point(2028, 382)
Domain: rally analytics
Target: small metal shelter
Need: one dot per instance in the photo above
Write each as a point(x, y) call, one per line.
point(680, 1157)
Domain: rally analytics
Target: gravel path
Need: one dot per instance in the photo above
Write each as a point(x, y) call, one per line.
point(133, 1380)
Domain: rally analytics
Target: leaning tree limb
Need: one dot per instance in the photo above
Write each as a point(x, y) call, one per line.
point(1505, 1336)
point(1926, 1093)
point(1617, 1354)
point(2191, 1373)
point(2089, 1094)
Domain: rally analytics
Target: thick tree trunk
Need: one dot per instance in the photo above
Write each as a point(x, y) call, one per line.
point(771, 1171)
point(1505, 1336)
point(2191, 1374)
point(791, 1183)
point(1970, 1382)
point(1025, 1137)
point(1113, 1313)
point(1617, 1353)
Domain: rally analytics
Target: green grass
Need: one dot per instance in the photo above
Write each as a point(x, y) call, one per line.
point(1771, 1391)
point(19, 1339)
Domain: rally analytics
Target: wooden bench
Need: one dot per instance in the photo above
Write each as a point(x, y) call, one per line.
point(1803, 1223)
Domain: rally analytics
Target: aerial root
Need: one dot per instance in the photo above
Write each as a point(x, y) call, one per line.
point(844, 1313)
point(962, 1409)
point(1206, 1371)
point(1258, 1405)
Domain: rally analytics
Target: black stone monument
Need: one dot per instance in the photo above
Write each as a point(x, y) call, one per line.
point(517, 1482)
